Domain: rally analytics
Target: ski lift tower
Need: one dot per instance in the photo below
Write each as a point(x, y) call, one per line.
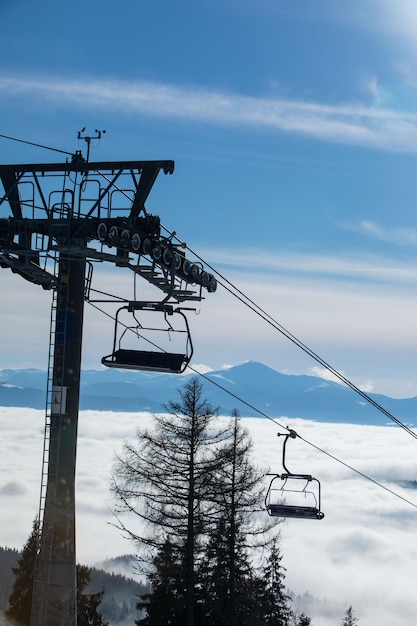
point(57, 220)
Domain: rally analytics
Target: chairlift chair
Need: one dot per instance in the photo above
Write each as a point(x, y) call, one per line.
point(293, 495)
point(157, 358)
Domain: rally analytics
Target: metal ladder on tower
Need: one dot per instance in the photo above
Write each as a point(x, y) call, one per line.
point(49, 476)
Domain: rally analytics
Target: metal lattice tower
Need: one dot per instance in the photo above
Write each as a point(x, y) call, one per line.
point(56, 220)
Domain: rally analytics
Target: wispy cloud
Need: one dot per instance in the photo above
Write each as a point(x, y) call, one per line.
point(354, 124)
point(359, 267)
point(402, 236)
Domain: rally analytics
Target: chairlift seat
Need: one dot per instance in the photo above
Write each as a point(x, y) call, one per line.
point(286, 510)
point(144, 360)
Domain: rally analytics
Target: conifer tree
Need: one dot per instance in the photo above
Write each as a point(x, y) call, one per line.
point(272, 596)
point(349, 619)
point(237, 491)
point(20, 600)
point(88, 603)
point(223, 600)
point(164, 605)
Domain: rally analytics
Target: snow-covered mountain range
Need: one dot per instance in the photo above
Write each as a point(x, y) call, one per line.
point(252, 388)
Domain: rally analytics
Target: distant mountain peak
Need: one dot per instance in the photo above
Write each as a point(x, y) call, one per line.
point(252, 387)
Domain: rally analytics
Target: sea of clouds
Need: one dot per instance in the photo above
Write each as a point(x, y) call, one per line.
point(362, 553)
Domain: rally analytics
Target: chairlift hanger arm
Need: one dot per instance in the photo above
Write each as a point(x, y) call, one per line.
point(291, 433)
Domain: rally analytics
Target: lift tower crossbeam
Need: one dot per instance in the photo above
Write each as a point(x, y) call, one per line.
point(54, 219)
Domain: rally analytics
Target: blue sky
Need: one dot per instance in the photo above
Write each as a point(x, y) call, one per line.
point(293, 126)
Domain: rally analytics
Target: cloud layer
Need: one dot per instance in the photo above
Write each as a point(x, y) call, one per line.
point(364, 550)
point(346, 123)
